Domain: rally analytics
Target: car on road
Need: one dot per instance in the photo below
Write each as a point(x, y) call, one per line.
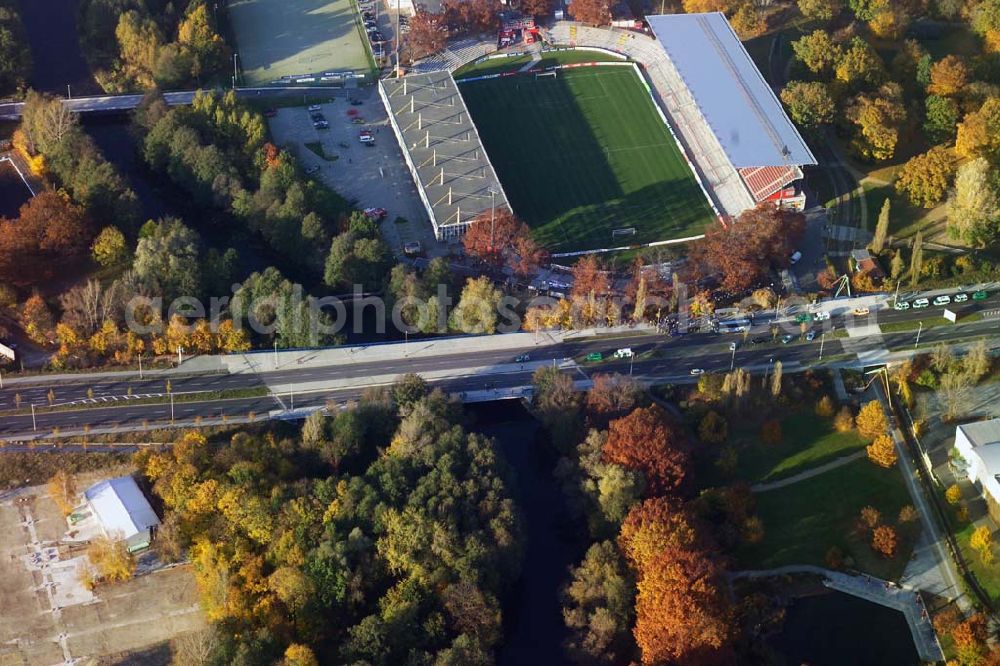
point(523, 358)
point(920, 303)
point(961, 298)
point(795, 258)
point(377, 214)
point(314, 107)
point(901, 305)
point(810, 336)
point(624, 352)
point(821, 316)
point(595, 356)
point(758, 340)
point(980, 296)
point(785, 339)
point(942, 300)
point(358, 121)
point(313, 169)
point(697, 371)
point(321, 124)
point(366, 136)
point(860, 312)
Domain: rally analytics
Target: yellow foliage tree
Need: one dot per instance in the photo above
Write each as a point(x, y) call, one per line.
point(979, 133)
point(953, 494)
point(982, 542)
point(871, 421)
point(62, 490)
point(882, 451)
point(111, 559)
point(299, 655)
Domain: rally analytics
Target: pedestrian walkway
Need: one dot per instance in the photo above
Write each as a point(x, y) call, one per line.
point(885, 593)
point(808, 474)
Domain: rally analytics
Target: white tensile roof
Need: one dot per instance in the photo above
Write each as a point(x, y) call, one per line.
point(121, 507)
point(730, 91)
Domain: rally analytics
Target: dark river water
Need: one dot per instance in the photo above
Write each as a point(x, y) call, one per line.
point(833, 628)
point(13, 192)
point(55, 48)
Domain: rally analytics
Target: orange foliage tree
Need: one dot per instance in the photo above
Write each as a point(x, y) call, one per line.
point(884, 540)
point(592, 12)
point(871, 421)
point(49, 228)
point(645, 441)
point(743, 251)
point(499, 238)
point(949, 76)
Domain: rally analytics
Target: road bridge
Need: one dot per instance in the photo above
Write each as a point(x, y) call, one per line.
point(128, 102)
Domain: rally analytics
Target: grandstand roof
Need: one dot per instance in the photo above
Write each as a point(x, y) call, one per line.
point(442, 148)
point(730, 91)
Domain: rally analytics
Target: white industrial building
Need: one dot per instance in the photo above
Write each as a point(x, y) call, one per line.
point(123, 512)
point(979, 446)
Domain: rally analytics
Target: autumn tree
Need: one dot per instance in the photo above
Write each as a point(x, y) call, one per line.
point(844, 421)
point(536, 8)
point(592, 12)
point(297, 654)
point(499, 238)
point(704, 6)
point(558, 405)
point(941, 115)
point(884, 541)
point(36, 319)
point(612, 396)
point(770, 432)
point(713, 428)
point(810, 104)
point(743, 251)
point(110, 559)
point(881, 234)
point(871, 421)
point(109, 248)
point(62, 490)
point(49, 229)
point(882, 451)
point(428, 33)
point(476, 311)
point(890, 21)
point(859, 65)
point(949, 76)
point(917, 259)
point(982, 542)
point(925, 178)
point(825, 407)
point(878, 118)
point(979, 132)
point(974, 205)
point(820, 10)
point(590, 277)
point(645, 441)
point(817, 51)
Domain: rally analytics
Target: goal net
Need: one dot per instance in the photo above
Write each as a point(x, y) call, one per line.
point(541, 75)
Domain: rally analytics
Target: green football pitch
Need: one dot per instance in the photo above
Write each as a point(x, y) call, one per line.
point(585, 153)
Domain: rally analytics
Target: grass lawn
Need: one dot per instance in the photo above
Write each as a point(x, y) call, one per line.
point(804, 520)
point(584, 154)
point(278, 38)
point(808, 441)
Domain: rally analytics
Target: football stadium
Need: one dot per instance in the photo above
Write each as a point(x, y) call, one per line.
point(672, 133)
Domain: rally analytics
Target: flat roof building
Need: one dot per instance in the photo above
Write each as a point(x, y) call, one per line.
point(123, 511)
point(442, 149)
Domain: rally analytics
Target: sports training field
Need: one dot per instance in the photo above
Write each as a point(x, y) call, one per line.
point(276, 38)
point(586, 153)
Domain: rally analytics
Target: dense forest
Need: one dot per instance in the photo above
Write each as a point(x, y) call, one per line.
point(382, 534)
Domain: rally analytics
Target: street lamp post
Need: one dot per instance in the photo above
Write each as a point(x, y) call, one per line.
point(919, 328)
point(631, 362)
point(732, 360)
point(171, 406)
point(276, 353)
point(822, 339)
point(140, 365)
point(180, 355)
point(34, 424)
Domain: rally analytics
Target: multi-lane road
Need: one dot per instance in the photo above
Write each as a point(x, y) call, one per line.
point(124, 400)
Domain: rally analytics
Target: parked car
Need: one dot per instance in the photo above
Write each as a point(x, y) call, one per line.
point(523, 358)
point(366, 136)
point(785, 339)
point(810, 336)
point(796, 257)
point(377, 214)
point(821, 316)
point(920, 303)
point(377, 37)
point(942, 300)
point(901, 305)
point(356, 102)
point(980, 296)
point(321, 124)
point(624, 352)
point(961, 298)
point(412, 248)
point(314, 107)
point(861, 311)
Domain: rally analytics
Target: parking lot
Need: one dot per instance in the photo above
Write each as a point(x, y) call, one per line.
point(373, 175)
point(49, 617)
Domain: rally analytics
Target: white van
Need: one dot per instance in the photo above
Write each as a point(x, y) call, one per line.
point(624, 352)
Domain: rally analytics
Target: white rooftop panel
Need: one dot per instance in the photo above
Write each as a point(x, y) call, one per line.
point(730, 91)
point(121, 507)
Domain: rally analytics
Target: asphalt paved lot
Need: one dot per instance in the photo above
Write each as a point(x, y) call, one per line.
point(367, 176)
